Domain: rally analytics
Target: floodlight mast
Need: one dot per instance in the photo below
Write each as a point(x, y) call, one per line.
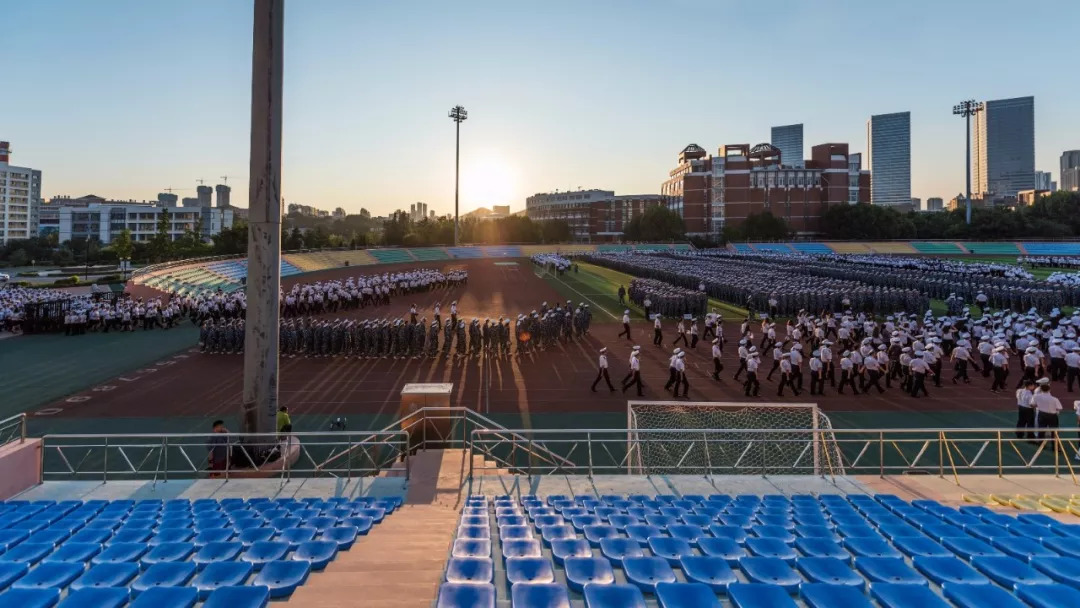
point(458, 114)
point(967, 109)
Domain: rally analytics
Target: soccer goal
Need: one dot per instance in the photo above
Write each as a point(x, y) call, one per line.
point(718, 438)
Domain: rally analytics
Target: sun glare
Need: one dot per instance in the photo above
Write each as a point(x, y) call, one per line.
point(488, 181)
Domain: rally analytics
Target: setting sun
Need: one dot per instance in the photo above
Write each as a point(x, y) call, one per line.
point(488, 181)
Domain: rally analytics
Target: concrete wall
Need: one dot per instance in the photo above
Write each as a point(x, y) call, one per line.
point(20, 467)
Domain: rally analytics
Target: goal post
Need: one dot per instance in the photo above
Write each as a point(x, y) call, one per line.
point(677, 437)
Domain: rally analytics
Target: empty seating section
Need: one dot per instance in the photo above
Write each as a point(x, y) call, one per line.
point(937, 248)
point(743, 248)
point(507, 251)
point(430, 254)
point(391, 256)
point(230, 552)
point(774, 247)
point(465, 252)
point(770, 551)
point(991, 248)
point(817, 248)
point(232, 270)
point(849, 247)
point(1052, 248)
point(893, 247)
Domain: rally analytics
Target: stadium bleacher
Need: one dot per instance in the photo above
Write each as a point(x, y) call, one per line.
point(391, 256)
point(992, 248)
point(507, 251)
point(163, 553)
point(814, 248)
point(892, 247)
point(743, 248)
point(829, 551)
point(937, 248)
point(1052, 248)
point(429, 254)
point(774, 247)
point(464, 252)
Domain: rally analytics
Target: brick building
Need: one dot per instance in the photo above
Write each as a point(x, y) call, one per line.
point(711, 192)
point(594, 216)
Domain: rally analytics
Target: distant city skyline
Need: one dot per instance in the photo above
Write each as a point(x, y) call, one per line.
point(551, 105)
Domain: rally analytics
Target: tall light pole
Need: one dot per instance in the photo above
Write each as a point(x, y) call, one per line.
point(458, 115)
point(967, 109)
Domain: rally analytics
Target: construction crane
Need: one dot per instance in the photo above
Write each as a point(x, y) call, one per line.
point(225, 180)
point(171, 189)
point(201, 182)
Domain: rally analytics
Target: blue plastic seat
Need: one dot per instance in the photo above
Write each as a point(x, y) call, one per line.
point(685, 595)
point(282, 577)
point(167, 552)
point(646, 572)
point(986, 532)
point(688, 532)
point(96, 597)
point(252, 535)
point(770, 571)
point(164, 574)
point(107, 575)
point(30, 598)
point(920, 546)
point(643, 532)
point(119, 552)
point(893, 595)
point(1042, 596)
point(473, 532)
point(50, 574)
point(595, 533)
point(284, 523)
point(735, 533)
point(1063, 545)
point(563, 549)
point(362, 524)
point(466, 595)
point(219, 535)
point(968, 547)
point(264, 551)
point(238, 597)
point(472, 548)
point(660, 521)
point(220, 574)
point(618, 549)
point(171, 535)
point(771, 547)
point(759, 595)
point(948, 570)
point(888, 570)
point(470, 570)
point(82, 536)
point(870, 546)
point(131, 535)
point(980, 596)
point(29, 553)
point(11, 572)
point(318, 553)
point(1009, 571)
point(829, 570)
point(539, 595)
point(821, 547)
point(166, 597)
point(613, 596)
point(822, 595)
point(74, 552)
point(708, 570)
point(1034, 531)
point(529, 570)
point(581, 571)
point(1064, 570)
point(671, 549)
point(1024, 549)
point(527, 547)
point(297, 535)
point(217, 552)
point(556, 532)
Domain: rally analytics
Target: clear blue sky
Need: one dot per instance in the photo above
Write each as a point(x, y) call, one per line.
point(124, 98)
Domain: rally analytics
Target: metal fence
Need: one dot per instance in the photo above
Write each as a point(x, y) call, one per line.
point(185, 456)
point(13, 429)
point(943, 452)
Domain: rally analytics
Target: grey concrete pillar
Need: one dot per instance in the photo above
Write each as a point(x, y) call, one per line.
point(260, 398)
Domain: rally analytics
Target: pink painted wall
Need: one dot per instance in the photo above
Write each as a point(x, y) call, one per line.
point(20, 467)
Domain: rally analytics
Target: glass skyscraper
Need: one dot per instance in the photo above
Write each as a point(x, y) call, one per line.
point(1004, 148)
point(888, 147)
point(789, 139)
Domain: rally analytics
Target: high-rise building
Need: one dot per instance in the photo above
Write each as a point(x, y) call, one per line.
point(789, 139)
point(1043, 181)
point(223, 193)
point(593, 215)
point(205, 193)
point(1070, 170)
point(888, 151)
point(167, 199)
point(1003, 150)
point(935, 203)
point(20, 198)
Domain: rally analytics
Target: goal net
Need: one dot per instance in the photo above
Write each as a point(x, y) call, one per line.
point(672, 437)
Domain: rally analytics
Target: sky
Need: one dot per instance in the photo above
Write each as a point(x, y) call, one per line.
point(124, 98)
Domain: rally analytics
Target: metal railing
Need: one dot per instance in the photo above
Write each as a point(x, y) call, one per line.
point(13, 429)
point(160, 457)
point(943, 452)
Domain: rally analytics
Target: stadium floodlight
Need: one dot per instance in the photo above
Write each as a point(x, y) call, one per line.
point(458, 114)
point(967, 109)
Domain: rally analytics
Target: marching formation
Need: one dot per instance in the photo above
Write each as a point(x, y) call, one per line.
point(666, 299)
point(363, 291)
point(411, 337)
